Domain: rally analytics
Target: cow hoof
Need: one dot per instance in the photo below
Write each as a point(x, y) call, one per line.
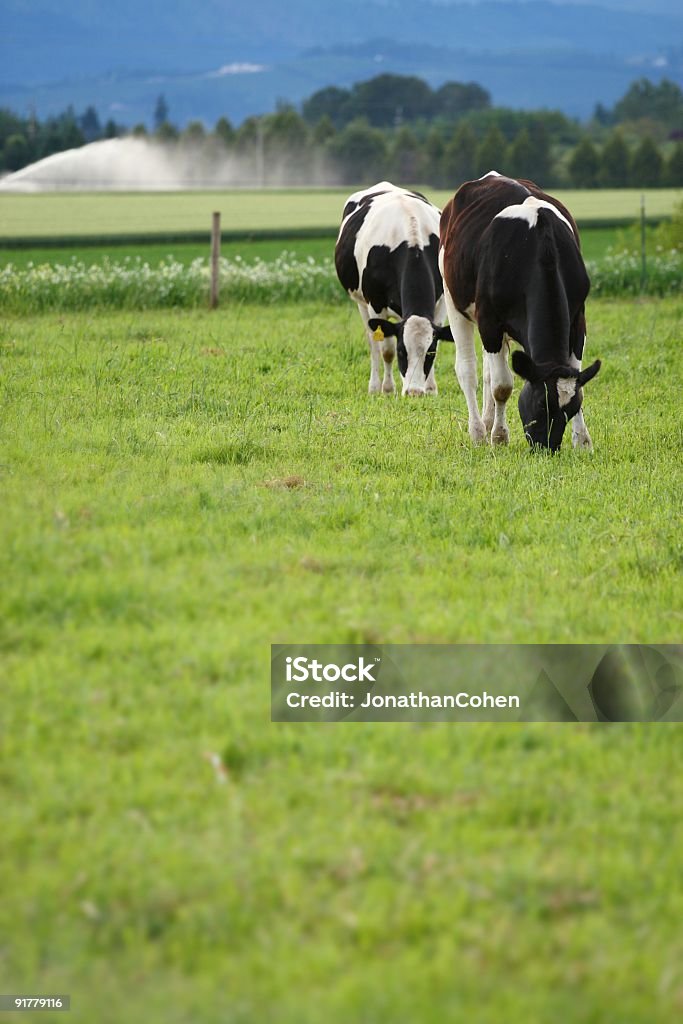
point(431, 390)
point(414, 392)
point(388, 387)
point(478, 432)
point(500, 436)
point(373, 388)
point(488, 424)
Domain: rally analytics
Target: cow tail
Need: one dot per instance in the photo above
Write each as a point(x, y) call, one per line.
point(547, 247)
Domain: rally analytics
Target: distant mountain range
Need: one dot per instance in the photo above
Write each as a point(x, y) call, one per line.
point(225, 57)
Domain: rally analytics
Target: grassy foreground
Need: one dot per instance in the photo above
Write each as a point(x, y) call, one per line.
point(182, 489)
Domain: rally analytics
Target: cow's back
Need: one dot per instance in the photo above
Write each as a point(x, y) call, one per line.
point(472, 232)
point(383, 218)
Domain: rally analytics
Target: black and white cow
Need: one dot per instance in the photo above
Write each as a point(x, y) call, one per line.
point(387, 259)
point(512, 264)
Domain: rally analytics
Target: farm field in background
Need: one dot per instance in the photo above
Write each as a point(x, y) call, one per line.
point(594, 242)
point(180, 489)
point(64, 215)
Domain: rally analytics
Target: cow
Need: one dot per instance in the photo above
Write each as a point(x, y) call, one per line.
point(511, 262)
point(386, 258)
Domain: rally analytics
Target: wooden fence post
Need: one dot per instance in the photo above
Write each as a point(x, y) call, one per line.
point(215, 256)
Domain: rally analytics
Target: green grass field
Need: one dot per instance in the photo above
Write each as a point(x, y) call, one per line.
point(148, 214)
point(182, 489)
point(594, 242)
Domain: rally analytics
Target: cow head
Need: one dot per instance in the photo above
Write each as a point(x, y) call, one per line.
point(549, 398)
point(416, 343)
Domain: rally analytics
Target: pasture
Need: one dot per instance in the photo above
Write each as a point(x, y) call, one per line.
point(180, 490)
point(94, 215)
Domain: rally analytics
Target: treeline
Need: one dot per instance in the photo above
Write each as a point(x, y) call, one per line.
point(23, 140)
point(398, 127)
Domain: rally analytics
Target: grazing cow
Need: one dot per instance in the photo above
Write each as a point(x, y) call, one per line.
point(387, 259)
point(512, 264)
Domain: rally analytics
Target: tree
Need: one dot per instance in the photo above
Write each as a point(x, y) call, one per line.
point(643, 99)
point(389, 100)
point(167, 132)
point(460, 157)
point(673, 172)
point(490, 154)
point(406, 157)
point(526, 156)
point(323, 131)
point(331, 102)
point(194, 133)
point(286, 145)
point(160, 112)
point(584, 165)
point(224, 131)
point(89, 123)
point(433, 159)
point(359, 153)
point(454, 99)
point(646, 164)
point(15, 154)
point(614, 161)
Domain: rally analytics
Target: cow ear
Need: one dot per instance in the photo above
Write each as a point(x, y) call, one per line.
point(589, 372)
point(525, 367)
point(443, 333)
point(386, 327)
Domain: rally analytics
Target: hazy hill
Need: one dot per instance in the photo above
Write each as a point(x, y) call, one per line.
point(228, 57)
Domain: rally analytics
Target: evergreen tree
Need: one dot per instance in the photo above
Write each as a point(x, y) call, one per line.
point(614, 162)
point(405, 161)
point(460, 157)
point(160, 112)
point(224, 131)
point(646, 164)
point(584, 165)
point(433, 159)
point(527, 156)
point(490, 154)
point(89, 123)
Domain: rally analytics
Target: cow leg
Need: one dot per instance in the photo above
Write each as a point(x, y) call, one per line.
point(502, 383)
point(462, 330)
point(388, 355)
point(580, 436)
point(374, 385)
point(487, 397)
point(430, 384)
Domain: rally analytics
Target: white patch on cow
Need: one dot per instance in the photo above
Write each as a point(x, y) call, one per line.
point(491, 174)
point(417, 337)
point(566, 389)
point(394, 218)
point(528, 211)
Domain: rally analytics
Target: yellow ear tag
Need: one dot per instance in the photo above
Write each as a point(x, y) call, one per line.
point(378, 334)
